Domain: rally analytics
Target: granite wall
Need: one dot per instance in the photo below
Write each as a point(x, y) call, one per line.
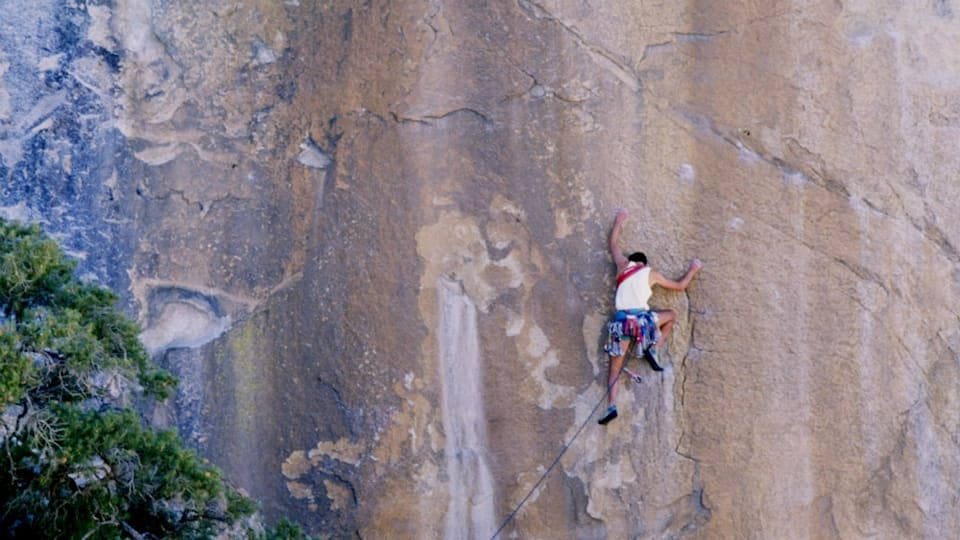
point(370, 237)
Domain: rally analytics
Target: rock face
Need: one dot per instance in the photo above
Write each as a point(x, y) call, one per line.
point(371, 239)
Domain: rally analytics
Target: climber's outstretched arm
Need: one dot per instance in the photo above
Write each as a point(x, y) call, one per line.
point(618, 257)
point(656, 278)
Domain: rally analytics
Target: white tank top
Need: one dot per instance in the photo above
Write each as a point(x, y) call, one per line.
point(634, 292)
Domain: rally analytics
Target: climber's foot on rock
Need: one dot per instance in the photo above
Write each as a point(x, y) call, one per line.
point(611, 414)
point(652, 359)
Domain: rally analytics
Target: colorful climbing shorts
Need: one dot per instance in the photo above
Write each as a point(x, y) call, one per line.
point(637, 324)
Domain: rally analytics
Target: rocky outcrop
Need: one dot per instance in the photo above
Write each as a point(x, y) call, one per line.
point(371, 238)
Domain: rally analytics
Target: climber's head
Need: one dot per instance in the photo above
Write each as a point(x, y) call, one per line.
point(638, 257)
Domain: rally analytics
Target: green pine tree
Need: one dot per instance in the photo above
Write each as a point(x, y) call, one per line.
point(76, 461)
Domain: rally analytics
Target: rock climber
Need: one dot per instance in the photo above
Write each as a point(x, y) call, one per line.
point(634, 319)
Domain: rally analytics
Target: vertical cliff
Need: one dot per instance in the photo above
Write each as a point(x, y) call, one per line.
point(371, 239)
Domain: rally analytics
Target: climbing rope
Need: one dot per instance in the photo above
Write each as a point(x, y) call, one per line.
point(513, 514)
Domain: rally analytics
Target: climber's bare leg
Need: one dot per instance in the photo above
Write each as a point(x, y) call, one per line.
point(616, 364)
point(665, 319)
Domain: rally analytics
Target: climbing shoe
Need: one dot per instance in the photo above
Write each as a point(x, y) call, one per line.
point(652, 359)
point(611, 414)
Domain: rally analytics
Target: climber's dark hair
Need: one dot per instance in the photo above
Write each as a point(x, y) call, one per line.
point(637, 257)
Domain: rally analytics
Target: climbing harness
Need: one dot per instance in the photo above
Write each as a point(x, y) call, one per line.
point(640, 325)
point(566, 447)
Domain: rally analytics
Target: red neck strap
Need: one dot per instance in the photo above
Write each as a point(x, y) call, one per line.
point(628, 272)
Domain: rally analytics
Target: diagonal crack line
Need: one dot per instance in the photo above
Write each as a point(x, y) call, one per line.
point(860, 271)
point(864, 274)
point(601, 56)
point(936, 236)
point(820, 178)
point(533, 81)
point(947, 343)
point(430, 119)
point(699, 36)
point(927, 228)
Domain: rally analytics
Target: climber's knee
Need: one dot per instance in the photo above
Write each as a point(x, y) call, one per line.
point(665, 317)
